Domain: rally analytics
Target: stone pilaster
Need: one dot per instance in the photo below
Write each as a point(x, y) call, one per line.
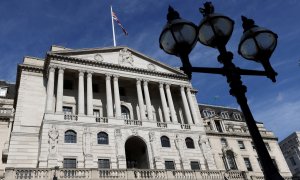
point(140, 99)
point(109, 104)
point(186, 106)
point(50, 89)
point(117, 97)
point(148, 100)
point(81, 93)
point(192, 106)
point(171, 104)
point(89, 97)
point(164, 102)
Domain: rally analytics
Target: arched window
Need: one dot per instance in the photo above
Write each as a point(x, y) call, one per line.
point(70, 136)
point(125, 112)
point(165, 141)
point(229, 161)
point(189, 143)
point(102, 138)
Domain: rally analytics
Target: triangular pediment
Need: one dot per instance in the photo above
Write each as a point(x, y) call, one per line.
point(122, 56)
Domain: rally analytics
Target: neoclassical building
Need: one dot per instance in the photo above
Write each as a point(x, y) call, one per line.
point(290, 147)
point(232, 145)
point(109, 113)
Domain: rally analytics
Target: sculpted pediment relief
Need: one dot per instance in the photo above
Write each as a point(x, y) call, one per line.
point(122, 56)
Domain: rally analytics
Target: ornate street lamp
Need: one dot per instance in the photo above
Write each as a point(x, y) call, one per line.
point(178, 38)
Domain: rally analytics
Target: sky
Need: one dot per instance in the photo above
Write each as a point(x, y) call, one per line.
point(29, 28)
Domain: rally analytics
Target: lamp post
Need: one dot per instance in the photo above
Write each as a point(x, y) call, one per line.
point(179, 38)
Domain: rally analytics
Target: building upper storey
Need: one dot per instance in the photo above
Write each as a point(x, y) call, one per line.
point(109, 85)
point(228, 121)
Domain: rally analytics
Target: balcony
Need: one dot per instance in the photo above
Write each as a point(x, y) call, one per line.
point(73, 118)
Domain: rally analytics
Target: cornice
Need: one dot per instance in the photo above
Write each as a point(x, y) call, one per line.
point(236, 135)
point(110, 66)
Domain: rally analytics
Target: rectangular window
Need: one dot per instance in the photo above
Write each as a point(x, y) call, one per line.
point(241, 144)
point(3, 91)
point(68, 84)
point(253, 146)
point(96, 112)
point(248, 164)
point(293, 161)
point(95, 88)
point(67, 110)
point(218, 126)
point(70, 163)
point(169, 165)
point(195, 165)
point(237, 116)
point(103, 164)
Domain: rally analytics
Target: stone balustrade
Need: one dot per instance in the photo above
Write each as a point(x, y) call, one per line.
point(6, 112)
point(126, 174)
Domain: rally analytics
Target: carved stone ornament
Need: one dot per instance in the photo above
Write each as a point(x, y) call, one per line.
point(152, 136)
point(53, 140)
point(98, 57)
point(118, 133)
point(151, 67)
point(134, 132)
point(125, 57)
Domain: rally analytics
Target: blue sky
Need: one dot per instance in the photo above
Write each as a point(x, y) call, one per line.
point(29, 28)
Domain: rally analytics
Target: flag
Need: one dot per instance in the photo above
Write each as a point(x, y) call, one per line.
point(119, 23)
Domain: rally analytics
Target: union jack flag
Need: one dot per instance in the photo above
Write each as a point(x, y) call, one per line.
point(119, 23)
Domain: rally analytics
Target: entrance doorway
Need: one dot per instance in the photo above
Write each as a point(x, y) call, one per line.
point(136, 153)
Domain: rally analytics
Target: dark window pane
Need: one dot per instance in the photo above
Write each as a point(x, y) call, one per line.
point(68, 84)
point(122, 91)
point(69, 163)
point(248, 164)
point(195, 165)
point(102, 138)
point(169, 165)
point(103, 164)
point(274, 162)
point(165, 142)
point(189, 143)
point(125, 113)
point(70, 136)
point(241, 144)
point(67, 110)
point(95, 88)
point(218, 126)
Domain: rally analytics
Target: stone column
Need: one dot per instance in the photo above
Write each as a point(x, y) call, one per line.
point(148, 100)
point(186, 106)
point(60, 90)
point(50, 89)
point(89, 98)
point(117, 97)
point(81, 93)
point(192, 105)
point(109, 104)
point(140, 99)
point(171, 104)
point(164, 102)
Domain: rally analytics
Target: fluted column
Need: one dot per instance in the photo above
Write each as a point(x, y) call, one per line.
point(186, 106)
point(117, 97)
point(60, 90)
point(50, 89)
point(192, 105)
point(164, 102)
point(81, 93)
point(89, 98)
point(109, 104)
point(140, 99)
point(148, 100)
point(171, 104)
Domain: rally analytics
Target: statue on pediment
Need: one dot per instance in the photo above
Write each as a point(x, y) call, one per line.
point(125, 57)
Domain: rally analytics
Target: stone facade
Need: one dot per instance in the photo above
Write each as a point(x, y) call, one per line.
point(290, 147)
point(117, 109)
point(7, 95)
point(231, 143)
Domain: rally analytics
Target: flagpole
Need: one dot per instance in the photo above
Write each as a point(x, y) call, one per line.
point(113, 26)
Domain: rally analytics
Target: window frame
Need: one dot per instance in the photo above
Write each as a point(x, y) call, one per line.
point(172, 163)
point(106, 166)
point(68, 139)
point(125, 115)
point(102, 141)
point(241, 144)
point(237, 116)
point(225, 115)
point(219, 127)
point(248, 163)
point(69, 158)
point(165, 141)
point(197, 164)
point(189, 143)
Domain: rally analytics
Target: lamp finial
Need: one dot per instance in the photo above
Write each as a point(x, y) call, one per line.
point(248, 23)
point(172, 14)
point(208, 9)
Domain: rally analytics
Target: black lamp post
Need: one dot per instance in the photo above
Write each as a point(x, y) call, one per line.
point(179, 38)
